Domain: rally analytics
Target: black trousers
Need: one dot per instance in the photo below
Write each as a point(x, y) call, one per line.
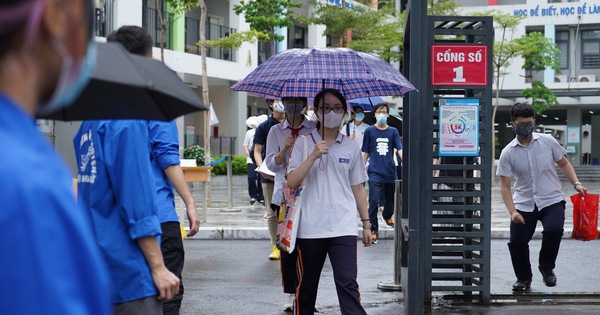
point(342, 253)
point(254, 185)
point(171, 246)
point(289, 275)
point(553, 220)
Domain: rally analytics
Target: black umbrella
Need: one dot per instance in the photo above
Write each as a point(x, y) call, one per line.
point(126, 86)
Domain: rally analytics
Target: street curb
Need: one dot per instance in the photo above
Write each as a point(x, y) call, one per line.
point(262, 233)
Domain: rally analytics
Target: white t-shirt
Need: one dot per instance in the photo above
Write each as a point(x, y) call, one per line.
point(248, 143)
point(359, 131)
point(328, 208)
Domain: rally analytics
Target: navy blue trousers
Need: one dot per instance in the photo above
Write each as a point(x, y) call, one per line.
point(254, 186)
point(380, 194)
point(342, 253)
point(553, 221)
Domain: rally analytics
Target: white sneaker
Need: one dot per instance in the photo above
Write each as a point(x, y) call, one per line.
point(289, 306)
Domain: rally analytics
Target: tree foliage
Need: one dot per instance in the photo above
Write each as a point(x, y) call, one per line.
point(539, 53)
point(236, 40)
point(265, 15)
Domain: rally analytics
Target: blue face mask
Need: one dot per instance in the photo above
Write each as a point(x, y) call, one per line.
point(359, 116)
point(524, 131)
point(381, 119)
point(74, 76)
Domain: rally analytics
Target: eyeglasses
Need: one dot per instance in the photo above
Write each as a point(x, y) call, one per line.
point(336, 109)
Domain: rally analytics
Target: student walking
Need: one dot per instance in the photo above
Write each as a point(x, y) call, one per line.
point(531, 158)
point(380, 144)
point(333, 175)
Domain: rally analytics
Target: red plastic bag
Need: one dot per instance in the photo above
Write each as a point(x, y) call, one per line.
point(585, 217)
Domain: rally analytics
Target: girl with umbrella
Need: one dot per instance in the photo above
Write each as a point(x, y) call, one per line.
point(333, 175)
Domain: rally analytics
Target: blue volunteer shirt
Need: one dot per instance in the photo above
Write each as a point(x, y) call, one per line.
point(380, 145)
point(164, 141)
point(117, 187)
point(50, 264)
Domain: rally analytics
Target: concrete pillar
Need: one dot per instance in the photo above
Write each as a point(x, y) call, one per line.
point(315, 32)
point(550, 33)
point(595, 134)
point(178, 31)
point(574, 120)
point(238, 102)
point(127, 13)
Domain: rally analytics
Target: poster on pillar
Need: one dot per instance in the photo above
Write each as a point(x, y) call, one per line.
point(573, 134)
point(459, 127)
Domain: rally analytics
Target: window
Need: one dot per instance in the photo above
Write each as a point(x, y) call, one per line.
point(590, 49)
point(298, 37)
point(562, 43)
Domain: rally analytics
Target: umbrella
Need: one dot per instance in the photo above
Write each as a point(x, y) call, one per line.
point(304, 72)
point(126, 86)
point(366, 103)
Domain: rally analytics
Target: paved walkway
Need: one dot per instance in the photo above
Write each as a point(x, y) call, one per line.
point(244, 221)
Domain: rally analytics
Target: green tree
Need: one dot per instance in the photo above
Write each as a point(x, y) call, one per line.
point(266, 15)
point(504, 51)
point(539, 53)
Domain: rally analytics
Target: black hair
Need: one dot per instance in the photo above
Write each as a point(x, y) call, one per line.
point(134, 38)
point(321, 95)
point(521, 110)
point(355, 107)
point(380, 105)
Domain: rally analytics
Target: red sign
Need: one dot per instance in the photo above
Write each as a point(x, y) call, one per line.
point(459, 65)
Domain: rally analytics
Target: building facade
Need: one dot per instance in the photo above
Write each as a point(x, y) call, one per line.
point(181, 54)
point(575, 28)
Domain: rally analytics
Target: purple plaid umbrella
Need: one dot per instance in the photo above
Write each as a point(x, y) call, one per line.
point(304, 72)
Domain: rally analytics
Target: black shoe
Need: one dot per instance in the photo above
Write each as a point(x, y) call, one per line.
point(521, 285)
point(262, 202)
point(252, 201)
point(548, 277)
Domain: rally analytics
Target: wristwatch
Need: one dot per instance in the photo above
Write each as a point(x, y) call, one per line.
point(575, 185)
point(367, 227)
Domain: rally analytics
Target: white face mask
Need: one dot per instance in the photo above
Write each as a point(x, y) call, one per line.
point(310, 115)
point(332, 119)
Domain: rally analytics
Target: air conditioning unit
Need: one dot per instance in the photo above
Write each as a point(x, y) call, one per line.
point(586, 78)
point(560, 79)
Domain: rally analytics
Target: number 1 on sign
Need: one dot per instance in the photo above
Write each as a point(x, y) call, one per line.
point(459, 75)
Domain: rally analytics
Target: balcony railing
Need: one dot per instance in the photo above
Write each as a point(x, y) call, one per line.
point(151, 22)
point(213, 32)
point(100, 22)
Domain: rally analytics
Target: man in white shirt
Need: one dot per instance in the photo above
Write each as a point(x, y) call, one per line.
point(532, 158)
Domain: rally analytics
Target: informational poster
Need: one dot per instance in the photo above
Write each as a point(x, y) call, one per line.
point(573, 134)
point(459, 127)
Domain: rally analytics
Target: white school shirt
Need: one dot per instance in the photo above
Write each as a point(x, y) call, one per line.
point(276, 141)
point(328, 208)
point(359, 131)
point(248, 142)
point(534, 168)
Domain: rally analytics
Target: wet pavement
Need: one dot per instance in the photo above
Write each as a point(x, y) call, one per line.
point(234, 276)
point(245, 221)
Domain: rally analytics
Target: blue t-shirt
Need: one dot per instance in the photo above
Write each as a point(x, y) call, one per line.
point(260, 137)
point(164, 142)
point(116, 186)
point(380, 145)
point(50, 263)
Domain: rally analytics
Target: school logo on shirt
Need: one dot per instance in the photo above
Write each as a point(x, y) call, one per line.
point(87, 174)
point(383, 146)
point(344, 161)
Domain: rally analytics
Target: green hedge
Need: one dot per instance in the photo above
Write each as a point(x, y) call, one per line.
point(238, 166)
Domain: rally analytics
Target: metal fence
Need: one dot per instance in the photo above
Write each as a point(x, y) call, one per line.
point(213, 32)
point(151, 22)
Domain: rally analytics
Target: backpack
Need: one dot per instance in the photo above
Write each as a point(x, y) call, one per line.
point(251, 150)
